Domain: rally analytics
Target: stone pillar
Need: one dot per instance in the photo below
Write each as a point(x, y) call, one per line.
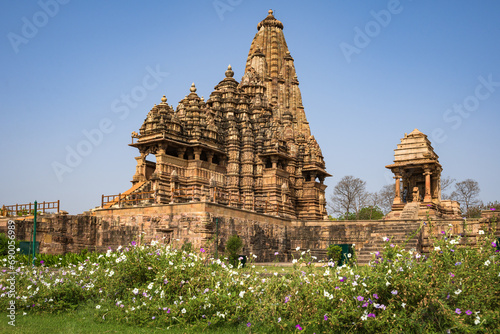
point(274, 160)
point(210, 156)
point(180, 152)
point(140, 169)
point(397, 197)
point(427, 197)
point(197, 153)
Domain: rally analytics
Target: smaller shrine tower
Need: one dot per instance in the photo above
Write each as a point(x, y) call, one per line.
point(417, 172)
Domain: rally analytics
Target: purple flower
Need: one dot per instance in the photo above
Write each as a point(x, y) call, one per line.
point(325, 317)
point(276, 253)
point(342, 279)
point(168, 311)
point(394, 292)
point(249, 324)
point(429, 205)
point(153, 318)
point(365, 305)
point(457, 311)
point(458, 263)
point(443, 232)
point(202, 250)
point(41, 262)
point(298, 327)
point(375, 296)
point(360, 298)
point(452, 275)
point(493, 244)
point(392, 245)
point(468, 312)
point(133, 243)
point(371, 315)
point(287, 299)
point(492, 209)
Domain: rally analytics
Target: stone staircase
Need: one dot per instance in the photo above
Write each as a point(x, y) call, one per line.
point(398, 232)
point(410, 211)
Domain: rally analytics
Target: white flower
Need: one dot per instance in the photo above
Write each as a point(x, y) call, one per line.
point(458, 292)
point(477, 321)
point(437, 248)
point(480, 232)
point(150, 286)
point(135, 291)
point(403, 304)
point(153, 242)
point(111, 273)
point(98, 307)
point(294, 261)
point(80, 268)
point(254, 256)
point(349, 255)
point(297, 249)
point(183, 310)
point(242, 293)
point(487, 263)
point(385, 238)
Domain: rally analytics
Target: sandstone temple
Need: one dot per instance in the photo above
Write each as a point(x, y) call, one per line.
point(249, 145)
point(244, 162)
point(419, 193)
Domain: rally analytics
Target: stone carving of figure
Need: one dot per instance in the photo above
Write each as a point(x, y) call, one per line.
point(405, 194)
point(416, 195)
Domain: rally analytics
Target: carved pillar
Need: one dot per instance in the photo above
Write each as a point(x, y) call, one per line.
point(274, 160)
point(397, 197)
point(197, 153)
point(140, 169)
point(180, 152)
point(427, 197)
point(210, 156)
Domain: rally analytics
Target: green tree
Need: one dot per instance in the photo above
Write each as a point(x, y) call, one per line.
point(370, 213)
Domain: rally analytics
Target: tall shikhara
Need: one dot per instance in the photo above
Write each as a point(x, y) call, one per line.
point(249, 145)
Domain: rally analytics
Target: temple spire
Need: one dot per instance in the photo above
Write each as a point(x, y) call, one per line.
point(270, 61)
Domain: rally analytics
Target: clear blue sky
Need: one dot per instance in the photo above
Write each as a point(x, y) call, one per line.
point(369, 71)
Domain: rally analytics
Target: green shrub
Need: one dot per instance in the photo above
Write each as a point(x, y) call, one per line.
point(233, 247)
point(334, 253)
point(453, 288)
point(4, 244)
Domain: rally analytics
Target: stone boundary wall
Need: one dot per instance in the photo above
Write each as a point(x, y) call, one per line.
point(262, 235)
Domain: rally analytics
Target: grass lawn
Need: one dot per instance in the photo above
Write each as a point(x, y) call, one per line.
point(84, 321)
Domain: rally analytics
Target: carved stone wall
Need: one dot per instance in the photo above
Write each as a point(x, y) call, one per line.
point(262, 235)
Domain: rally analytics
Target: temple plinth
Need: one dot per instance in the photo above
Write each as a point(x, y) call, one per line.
point(417, 173)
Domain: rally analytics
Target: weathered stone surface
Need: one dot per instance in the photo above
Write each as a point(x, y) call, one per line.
point(263, 235)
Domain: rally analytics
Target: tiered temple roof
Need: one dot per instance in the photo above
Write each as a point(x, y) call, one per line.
point(248, 145)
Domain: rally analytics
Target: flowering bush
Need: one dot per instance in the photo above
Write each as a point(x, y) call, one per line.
point(455, 287)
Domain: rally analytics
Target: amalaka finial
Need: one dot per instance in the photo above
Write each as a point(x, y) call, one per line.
point(270, 12)
point(229, 72)
point(163, 99)
point(193, 88)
